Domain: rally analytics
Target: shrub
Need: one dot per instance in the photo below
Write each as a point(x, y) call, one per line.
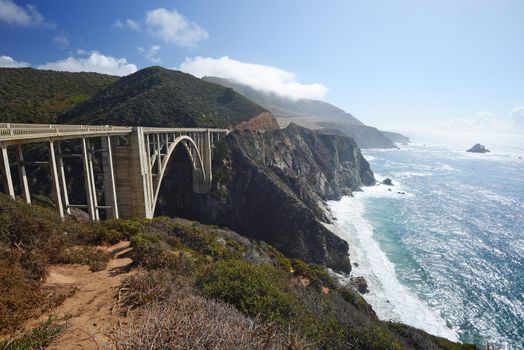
point(126, 228)
point(95, 258)
point(38, 338)
point(279, 259)
point(153, 286)
point(186, 321)
point(317, 274)
point(253, 289)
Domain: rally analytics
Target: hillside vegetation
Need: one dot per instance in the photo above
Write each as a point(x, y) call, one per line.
point(157, 96)
point(196, 284)
point(30, 95)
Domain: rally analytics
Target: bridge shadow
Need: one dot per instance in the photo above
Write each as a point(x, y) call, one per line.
point(176, 197)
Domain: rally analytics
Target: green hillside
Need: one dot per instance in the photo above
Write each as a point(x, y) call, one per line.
point(30, 95)
point(157, 96)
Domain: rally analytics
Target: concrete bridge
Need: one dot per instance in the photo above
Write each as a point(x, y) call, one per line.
point(134, 162)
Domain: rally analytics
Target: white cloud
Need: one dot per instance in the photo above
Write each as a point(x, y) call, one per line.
point(484, 122)
point(62, 41)
point(8, 62)
point(94, 62)
point(14, 14)
point(260, 77)
point(517, 117)
point(151, 53)
point(128, 23)
point(173, 27)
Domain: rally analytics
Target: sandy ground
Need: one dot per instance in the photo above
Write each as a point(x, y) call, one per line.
point(89, 311)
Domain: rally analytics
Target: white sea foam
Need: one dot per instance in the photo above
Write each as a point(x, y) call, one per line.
point(389, 298)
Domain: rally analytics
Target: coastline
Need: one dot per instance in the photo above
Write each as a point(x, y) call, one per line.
point(390, 299)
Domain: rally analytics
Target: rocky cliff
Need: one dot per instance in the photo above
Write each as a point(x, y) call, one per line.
point(270, 186)
point(263, 121)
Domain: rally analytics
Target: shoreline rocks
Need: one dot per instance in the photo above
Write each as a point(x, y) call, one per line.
point(387, 181)
point(478, 148)
point(360, 283)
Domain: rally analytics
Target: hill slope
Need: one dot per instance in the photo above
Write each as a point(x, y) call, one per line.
point(287, 107)
point(30, 95)
point(314, 114)
point(157, 96)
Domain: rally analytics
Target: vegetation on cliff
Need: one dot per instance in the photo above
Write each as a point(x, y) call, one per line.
point(270, 186)
point(30, 95)
point(162, 97)
point(196, 284)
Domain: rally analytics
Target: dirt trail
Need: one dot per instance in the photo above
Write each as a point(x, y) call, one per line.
point(90, 309)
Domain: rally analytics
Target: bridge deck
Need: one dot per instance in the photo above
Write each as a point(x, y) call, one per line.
point(13, 133)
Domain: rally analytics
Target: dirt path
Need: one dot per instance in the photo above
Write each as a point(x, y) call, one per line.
point(90, 309)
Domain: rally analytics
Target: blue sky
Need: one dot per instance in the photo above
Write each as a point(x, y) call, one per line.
point(393, 64)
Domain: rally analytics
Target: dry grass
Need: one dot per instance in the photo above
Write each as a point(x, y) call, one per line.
point(95, 258)
point(186, 321)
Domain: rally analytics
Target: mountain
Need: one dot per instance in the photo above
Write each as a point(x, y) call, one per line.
point(396, 137)
point(157, 96)
point(30, 95)
point(287, 107)
point(314, 114)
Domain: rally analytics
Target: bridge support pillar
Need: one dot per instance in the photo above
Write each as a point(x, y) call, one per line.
point(61, 169)
point(202, 184)
point(109, 178)
point(22, 176)
point(131, 177)
point(56, 181)
point(87, 180)
point(6, 173)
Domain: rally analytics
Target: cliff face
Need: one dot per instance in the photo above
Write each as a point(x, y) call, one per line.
point(396, 137)
point(269, 186)
point(263, 121)
point(364, 136)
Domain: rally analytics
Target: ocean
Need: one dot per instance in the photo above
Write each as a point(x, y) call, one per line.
point(443, 249)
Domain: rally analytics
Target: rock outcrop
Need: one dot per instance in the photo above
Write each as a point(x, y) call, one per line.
point(387, 181)
point(263, 121)
point(360, 283)
point(270, 187)
point(478, 148)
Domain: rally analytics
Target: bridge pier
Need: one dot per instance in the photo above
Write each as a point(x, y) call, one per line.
point(22, 176)
point(109, 178)
point(6, 173)
point(56, 181)
point(63, 181)
point(131, 180)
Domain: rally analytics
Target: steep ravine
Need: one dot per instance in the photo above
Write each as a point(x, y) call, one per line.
point(270, 186)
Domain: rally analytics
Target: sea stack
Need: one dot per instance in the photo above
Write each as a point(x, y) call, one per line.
point(478, 148)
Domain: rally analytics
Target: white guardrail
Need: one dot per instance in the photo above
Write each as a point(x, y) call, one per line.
point(15, 131)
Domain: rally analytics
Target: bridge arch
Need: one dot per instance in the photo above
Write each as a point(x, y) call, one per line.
point(196, 159)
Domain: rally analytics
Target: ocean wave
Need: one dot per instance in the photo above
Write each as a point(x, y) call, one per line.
point(390, 299)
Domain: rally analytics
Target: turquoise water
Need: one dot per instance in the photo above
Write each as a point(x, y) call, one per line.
point(452, 244)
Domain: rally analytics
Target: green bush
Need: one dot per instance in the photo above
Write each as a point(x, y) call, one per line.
point(38, 338)
point(256, 290)
point(95, 258)
point(317, 274)
point(126, 228)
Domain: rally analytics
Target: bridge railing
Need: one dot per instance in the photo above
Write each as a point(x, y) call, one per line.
point(15, 131)
point(154, 130)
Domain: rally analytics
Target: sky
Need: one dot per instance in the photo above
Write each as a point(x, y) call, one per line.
point(400, 65)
